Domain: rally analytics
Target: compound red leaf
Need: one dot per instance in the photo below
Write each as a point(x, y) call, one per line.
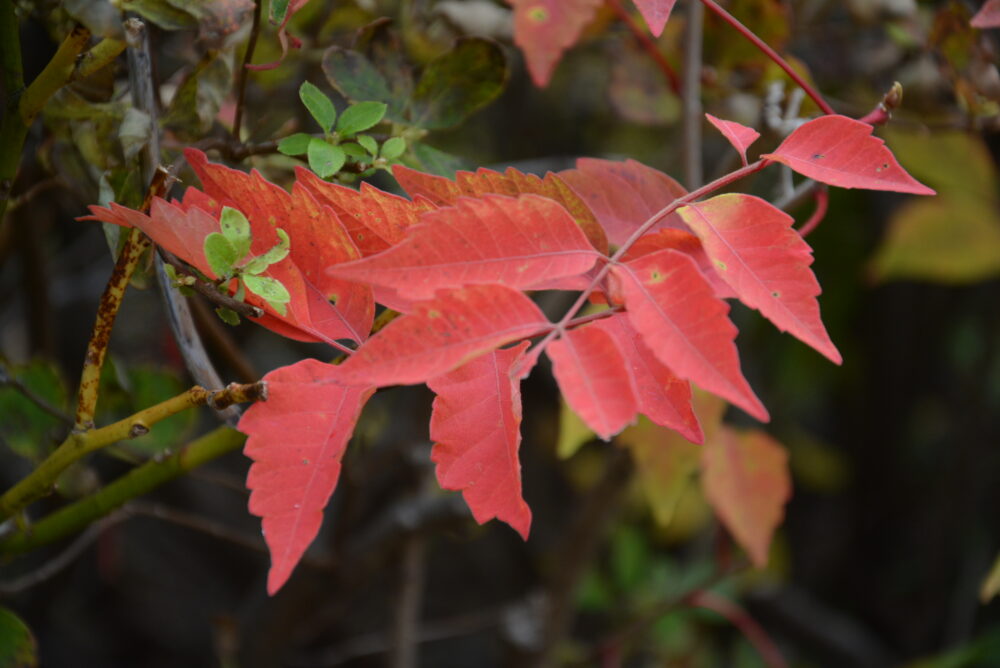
point(476, 429)
point(687, 243)
point(988, 15)
point(671, 304)
point(544, 29)
point(296, 440)
point(663, 397)
point(656, 13)
point(755, 250)
point(740, 136)
point(445, 192)
point(442, 333)
point(746, 480)
point(623, 195)
point(515, 242)
point(842, 152)
point(592, 374)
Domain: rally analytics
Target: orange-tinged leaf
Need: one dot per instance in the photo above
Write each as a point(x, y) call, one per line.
point(842, 152)
point(296, 439)
point(544, 29)
point(740, 136)
point(672, 306)
point(757, 252)
point(623, 195)
point(988, 15)
point(656, 13)
point(746, 479)
point(515, 242)
point(476, 429)
point(591, 372)
point(442, 333)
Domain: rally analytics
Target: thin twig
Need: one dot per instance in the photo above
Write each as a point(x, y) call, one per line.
point(691, 98)
point(406, 618)
point(822, 202)
point(33, 397)
point(747, 625)
point(209, 290)
point(241, 76)
point(648, 45)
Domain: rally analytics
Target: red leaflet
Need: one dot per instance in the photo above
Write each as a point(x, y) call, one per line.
point(740, 136)
point(476, 429)
point(663, 397)
point(296, 439)
point(842, 152)
point(671, 304)
point(656, 13)
point(686, 243)
point(592, 374)
point(544, 29)
point(516, 242)
point(623, 195)
point(442, 333)
point(988, 15)
point(746, 480)
point(755, 250)
point(445, 192)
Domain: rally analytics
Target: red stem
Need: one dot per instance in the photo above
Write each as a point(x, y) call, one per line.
point(648, 44)
point(822, 196)
point(770, 53)
point(747, 625)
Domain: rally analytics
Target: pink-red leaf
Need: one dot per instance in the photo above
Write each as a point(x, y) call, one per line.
point(476, 429)
point(515, 242)
point(842, 152)
point(623, 195)
point(544, 29)
point(656, 13)
point(296, 439)
point(740, 136)
point(746, 480)
point(755, 250)
point(686, 243)
point(442, 333)
point(592, 374)
point(671, 304)
point(988, 15)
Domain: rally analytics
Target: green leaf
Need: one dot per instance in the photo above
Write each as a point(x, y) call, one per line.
point(360, 116)
point(162, 13)
point(369, 143)
point(436, 161)
point(295, 144)
point(220, 254)
point(353, 150)
point(319, 105)
point(236, 229)
point(17, 645)
point(325, 159)
point(356, 78)
point(458, 83)
point(148, 386)
point(278, 11)
point(393, 148)
point(269, 289)
point(279, 251)
point(228, 315)
point(26, 428)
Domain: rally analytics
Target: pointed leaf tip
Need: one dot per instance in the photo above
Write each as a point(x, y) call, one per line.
point(740, 136)
point(656, 13)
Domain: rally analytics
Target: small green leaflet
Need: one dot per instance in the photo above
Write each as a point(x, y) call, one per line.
point(236, 229)
point(295, 144)
point(325, 159)
point(360, 116)
point(270, 290)
point(221, 254)
point(393, 148)
point(319, 105)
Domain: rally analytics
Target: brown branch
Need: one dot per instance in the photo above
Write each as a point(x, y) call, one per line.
point(210, 291)
point(241, 76)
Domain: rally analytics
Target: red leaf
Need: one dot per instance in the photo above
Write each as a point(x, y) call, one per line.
point(746, 480)
point(663, 397)
point(756, 251)
point(656, 13)
point(544, 29)
point(842, 152)
point(296, 439)
point(686, 243)
point(516, 242)
point(671, 304)
point(623, 195)
point(591, 372)
point(740, 136)
point(476, 429)
point(988, 15)
point(445, 192)
point(442, 333)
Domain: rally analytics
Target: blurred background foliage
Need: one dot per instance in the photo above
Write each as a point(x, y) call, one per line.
point(892, 527)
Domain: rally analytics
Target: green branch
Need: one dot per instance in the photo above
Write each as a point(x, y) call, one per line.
point(137, 482)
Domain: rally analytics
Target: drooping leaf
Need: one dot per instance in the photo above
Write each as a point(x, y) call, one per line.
point(623, 195)
point(656, 13)
point(18, 648)
point(545, 29)
point(296, 439)
point(442, 333)
point(592, 375)
point(515, 242)
point(757, 252)
point(458, 83)
point(475, 426)
point(842, 152)
point(740, 136)
point(988, 15)
point(671, 305)
point(747, 482)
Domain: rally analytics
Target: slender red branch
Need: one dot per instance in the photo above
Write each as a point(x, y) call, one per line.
point(648, 45)
point(747, 625)
point(822, 196)
point(770, 53)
